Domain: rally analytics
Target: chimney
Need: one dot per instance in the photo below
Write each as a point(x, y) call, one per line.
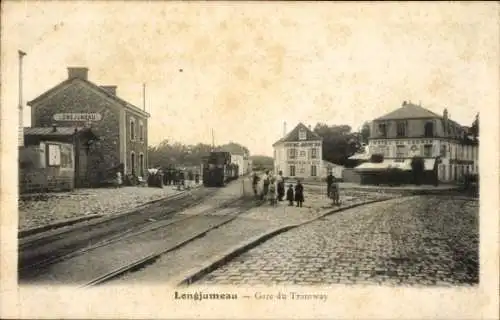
point(110, 89)
point(74, 72)
point(310, 128)
point(445, 121)
point(404, 103)
point(54, 128)
point(284, 128)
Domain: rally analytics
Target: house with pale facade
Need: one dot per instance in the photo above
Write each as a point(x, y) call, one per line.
point(411, 130)
point(299, 153)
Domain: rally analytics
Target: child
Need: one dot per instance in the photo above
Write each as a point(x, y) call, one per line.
point(299, 194)
point(334, 192)
point(118, 179)
point(289, 195)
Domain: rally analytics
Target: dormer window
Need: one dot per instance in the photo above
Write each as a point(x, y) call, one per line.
point(302, 134)
point(429, 129)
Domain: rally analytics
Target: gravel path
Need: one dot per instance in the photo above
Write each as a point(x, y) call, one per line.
point(49, 208)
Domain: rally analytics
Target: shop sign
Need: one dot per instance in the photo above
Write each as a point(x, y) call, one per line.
point(77, 117)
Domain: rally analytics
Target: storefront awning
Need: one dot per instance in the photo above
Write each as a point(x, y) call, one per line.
point(384, 165)
point(391, 163)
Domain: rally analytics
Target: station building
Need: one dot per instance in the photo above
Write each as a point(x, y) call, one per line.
point(299, 153)
point(411, 130)
point(121, 128)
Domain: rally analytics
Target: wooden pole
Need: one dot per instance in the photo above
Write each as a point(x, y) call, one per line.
point(144, 96)
point(21, 122)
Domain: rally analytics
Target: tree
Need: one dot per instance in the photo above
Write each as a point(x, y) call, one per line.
point(259, 161)
point(339, 143)
point(234, 148)
point(474, 130)
point(167, 154)
point(365, 132)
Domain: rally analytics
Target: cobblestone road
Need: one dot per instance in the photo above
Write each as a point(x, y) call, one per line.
point(421, 240)
point(81, 202)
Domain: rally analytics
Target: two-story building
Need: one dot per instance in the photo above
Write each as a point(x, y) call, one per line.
point(241, 159)
point(299, 153)
point(413, 130)
point(122, 128)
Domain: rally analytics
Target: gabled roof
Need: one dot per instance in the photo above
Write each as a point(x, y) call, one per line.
point(92, 86)
point(409, 111)
point(293, 135)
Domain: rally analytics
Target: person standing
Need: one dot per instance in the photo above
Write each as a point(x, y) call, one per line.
point(255, 182)
point(329, 181)
point(289, 195)
point(272, 192)
point(266, 185)
point(118, 179)
point(299, 194)
point(281, 186)
point(335, 192)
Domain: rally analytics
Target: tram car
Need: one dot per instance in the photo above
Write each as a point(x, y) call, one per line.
point(218, 169)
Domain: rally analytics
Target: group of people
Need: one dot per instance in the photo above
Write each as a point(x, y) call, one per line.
point(178, 177)
point(273, 189)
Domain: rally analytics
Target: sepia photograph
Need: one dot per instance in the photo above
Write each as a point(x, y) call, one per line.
point(275, 155)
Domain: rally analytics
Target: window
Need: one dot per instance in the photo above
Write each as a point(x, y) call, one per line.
point(141, 164)
point(313, 171)
point(382, 129)
point(302, 153)
point(400, 151)
point(132, 130)
point(132, 162)
point(429, 129)
point(66, 156)
point(141, 131)
point(443, 150)
point(54, 154)
point(292, 171)
point(292, 153)
point(314, 153)
point(302, 134)
point(401, 129)
point(302, 170)
point(428, 150)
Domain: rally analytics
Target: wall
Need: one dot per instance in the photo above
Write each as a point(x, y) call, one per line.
point(303, 160)
point(349, 175)
point(35, 173)
point(415, 128)
point(137, 146)
point(79, 98)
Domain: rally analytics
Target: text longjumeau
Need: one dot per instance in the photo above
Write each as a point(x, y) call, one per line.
point(77, 117)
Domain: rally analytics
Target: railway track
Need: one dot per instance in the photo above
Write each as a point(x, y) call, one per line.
point(134, 249)
point(41, 250)
point(146, 259)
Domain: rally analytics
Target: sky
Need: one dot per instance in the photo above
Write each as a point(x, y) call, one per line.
point(244, 68)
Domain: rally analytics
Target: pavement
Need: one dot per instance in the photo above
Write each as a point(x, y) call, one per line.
point(44, 209)
point(249, 229)
point(415, 241)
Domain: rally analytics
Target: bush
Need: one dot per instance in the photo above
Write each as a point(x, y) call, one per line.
point(377, 158)
point(395, 176)
point(417, 169)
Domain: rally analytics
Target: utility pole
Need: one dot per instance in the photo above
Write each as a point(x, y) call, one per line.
point(144, 96)
point(213, 141)
point(21, 123)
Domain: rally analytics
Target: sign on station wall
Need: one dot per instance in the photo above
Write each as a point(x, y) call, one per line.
point(77, 117)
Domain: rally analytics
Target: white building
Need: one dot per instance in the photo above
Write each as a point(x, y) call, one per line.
point(241, 159)
point(299, 153)
point(413, 130)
